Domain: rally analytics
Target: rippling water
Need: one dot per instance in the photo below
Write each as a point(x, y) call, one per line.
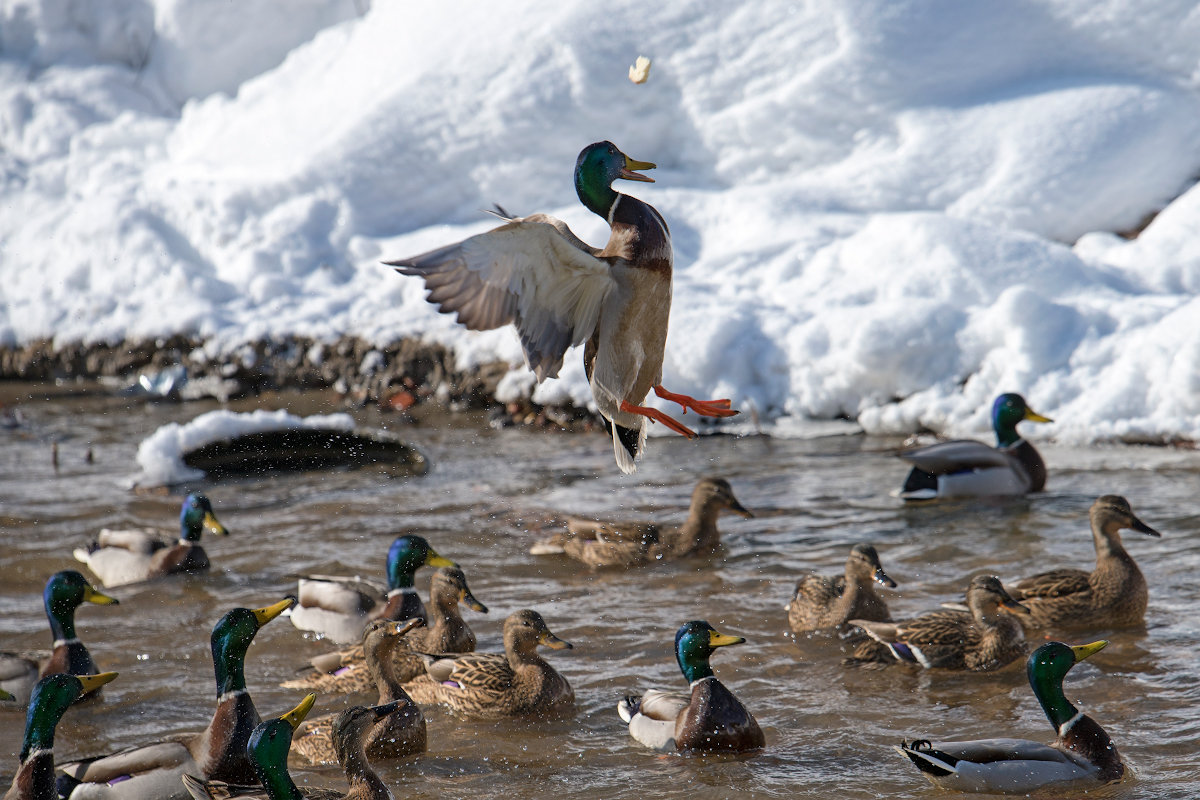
point(829, 730)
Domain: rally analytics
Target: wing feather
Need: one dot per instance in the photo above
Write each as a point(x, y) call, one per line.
point(944, 458)
point(532, 272)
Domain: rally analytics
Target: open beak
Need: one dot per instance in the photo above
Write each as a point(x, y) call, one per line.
point(553, 642)
point(1082, 651)
point(1033, 416)
point(882, 577)
point(93, 682)
point(1134, 524)
point(91, 595)
point(297, 714)
point(402, 626)
point(723, 640)
point(471, 602)
point(213, 525)
point(265, 615)
point(630, 171)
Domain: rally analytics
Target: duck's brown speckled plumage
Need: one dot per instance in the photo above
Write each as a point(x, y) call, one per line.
point(821, 602)
point(400, 733)
point(1114, 594)
point(516, 682)
point(617, 544)
point(345, 671)
point(989, 637)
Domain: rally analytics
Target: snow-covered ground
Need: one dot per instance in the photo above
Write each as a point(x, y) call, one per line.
point(870, 201)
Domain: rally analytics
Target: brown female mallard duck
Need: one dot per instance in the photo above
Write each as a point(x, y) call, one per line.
point(402, 733)
point(1112, 595)
point(984, 639)
point(558, 292)
point(64, 592)
point(118, 557)
point(706, 718)
point(152, 772)
point(48, 701)
point(516, 682)
point(1081, 751)
point(345, 670)
point(341, 607)
point(831, 602)
point(617, 544)
point(268, 751)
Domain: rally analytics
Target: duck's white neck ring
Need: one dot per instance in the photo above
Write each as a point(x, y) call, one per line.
point(1066, 726)
point(403, 590)
point(65, 642)
point(231, 695)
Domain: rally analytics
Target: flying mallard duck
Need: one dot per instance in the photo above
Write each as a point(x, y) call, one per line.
point(516, 682)
point(1112, 595)
point(1082, 750)
point(50, 699)
point(152, 772)
point(268, 752)
point(64, 592)
point(983, 639)
point(708, 717)
point(120, 557)
point(345, 670)
point(831, 602)
point(617, 544)
point(535, 273)
point(340, 607)
point(966, 468)
point(402, 733)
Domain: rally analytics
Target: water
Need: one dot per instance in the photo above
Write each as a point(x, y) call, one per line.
point(829, 729)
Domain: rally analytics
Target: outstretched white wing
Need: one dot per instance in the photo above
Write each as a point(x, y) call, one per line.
point(532, 272)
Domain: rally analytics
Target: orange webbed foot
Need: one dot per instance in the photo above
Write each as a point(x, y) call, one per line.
point(705, 408)
point(657, 416)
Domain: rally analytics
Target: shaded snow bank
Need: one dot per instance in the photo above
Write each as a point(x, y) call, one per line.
point(868, 202)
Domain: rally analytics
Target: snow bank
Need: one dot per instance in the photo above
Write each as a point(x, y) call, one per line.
point(892, 210)
point(160, 455)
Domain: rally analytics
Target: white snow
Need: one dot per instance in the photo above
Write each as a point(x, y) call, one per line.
point(160, 455)
point(870, 201)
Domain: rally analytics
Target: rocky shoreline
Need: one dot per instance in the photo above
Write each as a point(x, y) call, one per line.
point(395, 377)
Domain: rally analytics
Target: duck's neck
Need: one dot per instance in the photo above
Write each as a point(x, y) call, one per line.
point(62, 618)
point(190, 529)
point(229, 670)
point(699, 530)
point(380, 665)
point(1049, 691)
point(1006, 435)
point(448, 625)
point(1107, 539)
point(596, 195)
point(403, 603)
point(278, 783)
point(365, 784)
point(35, 777)
point(694, 670)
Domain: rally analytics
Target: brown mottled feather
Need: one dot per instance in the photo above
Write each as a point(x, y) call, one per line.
point(830, 602)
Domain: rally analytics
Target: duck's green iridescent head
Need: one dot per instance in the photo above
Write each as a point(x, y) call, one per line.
point(695, 642)
point(268, 750)
point(51, 698)
point(1046, 668)
point(1007, 411)
point(196, 516)
point(407, 555)
point(65, 591)
point(600, 164)
point(231, 638)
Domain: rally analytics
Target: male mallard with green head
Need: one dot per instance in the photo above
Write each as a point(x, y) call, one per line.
point(632, 544)
point(64, 592)
point(127, 556)
point(966, 468)
point(402, 733)
point(50, 699)
point(152, 772)
point(535, 273)
point(340, 607)
point(268, 752)
point(820, 602)
point(1081, 751)
point(517, 682)
point(708, 718)
point(1112, 595)
point(988, 637)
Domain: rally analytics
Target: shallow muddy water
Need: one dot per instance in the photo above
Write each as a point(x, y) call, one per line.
point(490, 493)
